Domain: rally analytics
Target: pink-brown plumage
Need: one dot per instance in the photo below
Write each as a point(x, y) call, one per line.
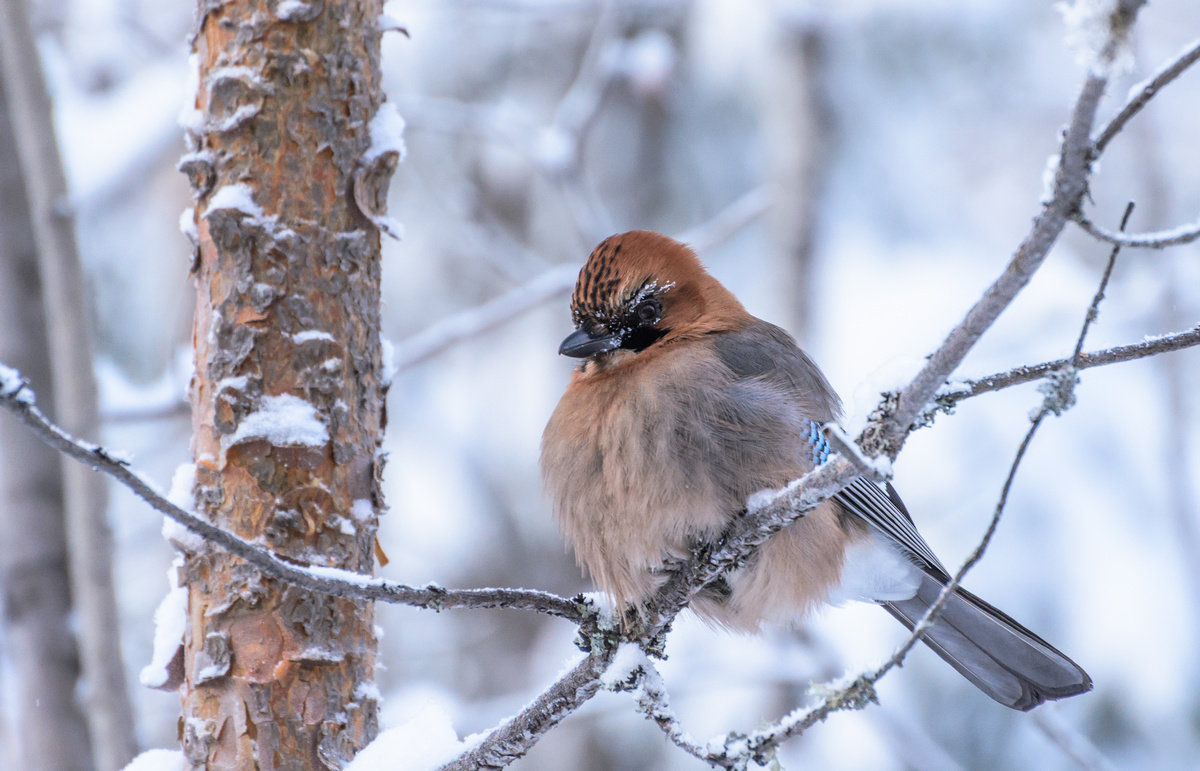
point(686, 405)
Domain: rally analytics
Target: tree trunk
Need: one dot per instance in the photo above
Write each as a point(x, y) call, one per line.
point(288, 396)
point(48, 731)
point(108, 709)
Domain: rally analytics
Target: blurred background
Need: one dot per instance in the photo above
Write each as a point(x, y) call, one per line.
point(856, 172)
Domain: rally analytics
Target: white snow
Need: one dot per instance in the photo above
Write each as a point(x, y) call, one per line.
point(362, 510)
point(625, 663)
point(284, 420)
point(159, 760)
point(388, 354)
point(187, 225)
point(389, 23)
point(1088, 30)
point(180, 494)
point(237, 197)
point(345, 576)
point(170, 622)
point(11, 382)
point(311, 334)
point(292, 10)
point(190, 117)
point(425, 742)
point(387, 133)
point(238, 72)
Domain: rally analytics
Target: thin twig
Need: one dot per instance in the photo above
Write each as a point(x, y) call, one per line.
point(1094, 309)
point(1142, 93)
point(1159, 239)
point(1075, 745)
point(20, 402)
point(556, 282)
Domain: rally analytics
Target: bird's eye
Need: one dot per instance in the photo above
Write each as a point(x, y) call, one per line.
point(648, 311)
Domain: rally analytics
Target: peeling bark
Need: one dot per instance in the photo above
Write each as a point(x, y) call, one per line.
point(287, 278)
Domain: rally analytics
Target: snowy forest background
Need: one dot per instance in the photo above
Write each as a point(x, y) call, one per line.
point(857, 172)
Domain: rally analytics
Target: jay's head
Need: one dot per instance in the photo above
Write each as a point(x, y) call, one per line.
point(640, 291)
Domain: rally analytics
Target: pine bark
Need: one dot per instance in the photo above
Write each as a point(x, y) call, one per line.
point(287, 273)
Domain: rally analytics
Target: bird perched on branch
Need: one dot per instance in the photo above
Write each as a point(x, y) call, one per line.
point(685, 405)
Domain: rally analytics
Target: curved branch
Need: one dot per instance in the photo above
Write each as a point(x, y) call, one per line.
point(1159, 239)
point(18, 398)
point(1142, 93)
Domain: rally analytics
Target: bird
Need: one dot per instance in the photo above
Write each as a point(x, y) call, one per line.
point(683, 407)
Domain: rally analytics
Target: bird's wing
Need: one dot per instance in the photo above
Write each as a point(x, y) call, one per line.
point(764, 352)
point(885, 512)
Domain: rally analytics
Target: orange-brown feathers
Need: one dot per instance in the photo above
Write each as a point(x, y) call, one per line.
point(633, 266)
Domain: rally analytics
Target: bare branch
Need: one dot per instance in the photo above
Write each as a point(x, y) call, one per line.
point(1070, 183)
point(442, 334)
point(516, 736)
point(1142, 93)
point(557, 282)
point(1094, 309)
point(1074, 744)
point(953, 393)
point(1159, 239)
point(19, 400)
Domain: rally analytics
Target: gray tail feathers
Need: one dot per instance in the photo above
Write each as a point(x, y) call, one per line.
point(1002, 658)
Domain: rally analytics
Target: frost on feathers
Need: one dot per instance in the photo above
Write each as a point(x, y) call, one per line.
point(284, 421)
point(170, 623)
point(1090, 25)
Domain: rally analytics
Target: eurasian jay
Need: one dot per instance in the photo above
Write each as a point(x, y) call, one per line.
point(684, 406)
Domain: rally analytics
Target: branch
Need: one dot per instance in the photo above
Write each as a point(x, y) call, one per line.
point(19, 399)
point(738, 751)
point(1142, 93)
point(953, 393)
point(1070, 184)
point(512, 739)
point(556, 282)
point(1159, 239)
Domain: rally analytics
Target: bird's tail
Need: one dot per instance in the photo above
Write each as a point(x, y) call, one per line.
point(1002, 658)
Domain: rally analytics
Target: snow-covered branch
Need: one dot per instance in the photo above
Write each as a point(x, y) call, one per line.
point(19, 399)
point(1161, 239)
point(1141, 94)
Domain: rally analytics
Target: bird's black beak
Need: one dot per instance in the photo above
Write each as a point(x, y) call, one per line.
point(581, 344)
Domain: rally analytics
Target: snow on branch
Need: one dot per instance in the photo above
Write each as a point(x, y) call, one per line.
point(18, 398)
point(1141, 94)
